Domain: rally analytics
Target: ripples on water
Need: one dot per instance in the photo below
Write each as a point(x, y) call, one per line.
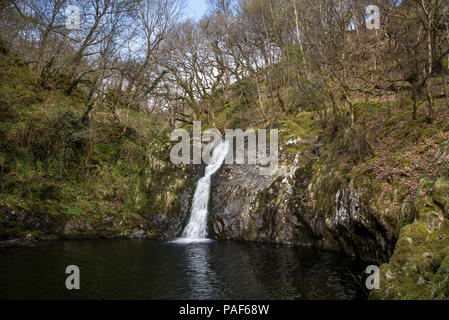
point(139, 269)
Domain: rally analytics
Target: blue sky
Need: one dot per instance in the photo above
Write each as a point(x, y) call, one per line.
point(195, 8)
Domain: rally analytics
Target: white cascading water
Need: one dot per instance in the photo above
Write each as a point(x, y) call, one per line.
point(196, 229)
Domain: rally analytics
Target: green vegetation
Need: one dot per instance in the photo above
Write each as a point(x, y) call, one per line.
point(419, 266)
point(56, 170)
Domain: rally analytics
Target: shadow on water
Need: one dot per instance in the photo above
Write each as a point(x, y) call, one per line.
point(139, 269)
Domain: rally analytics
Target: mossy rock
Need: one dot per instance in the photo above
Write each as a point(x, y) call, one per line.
point(440, 282)
point(440, 194)
point(412, 236)
point(419, 267)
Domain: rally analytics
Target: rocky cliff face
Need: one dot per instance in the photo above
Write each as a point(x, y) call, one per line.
point(46, 219)
point(309, 200)
point(248, 206)
point(299, 205)
point(419, 266)
point(170, 224)
point(325, 204)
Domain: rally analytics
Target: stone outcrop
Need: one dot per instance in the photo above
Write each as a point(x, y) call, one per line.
point(300, 205)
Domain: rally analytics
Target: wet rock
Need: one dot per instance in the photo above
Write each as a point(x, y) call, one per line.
point(14, 243)
point(246, 205)
point(298, 205)
point(170, 224)
point(138, 234)
point(77, 227)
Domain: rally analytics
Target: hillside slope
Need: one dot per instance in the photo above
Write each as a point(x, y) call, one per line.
point(62, 178)
point(376, 189)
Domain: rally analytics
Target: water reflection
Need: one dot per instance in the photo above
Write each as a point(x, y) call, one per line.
point(201, 278)
point(125, 269)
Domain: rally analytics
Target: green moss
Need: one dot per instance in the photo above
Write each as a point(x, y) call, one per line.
point(74, 212)
point(369, 110)
point(56, 169)
point(399, 160)
point(443, 270)
point(302, 126)
point(427, 133)
point(417, 269)
point(440, 194)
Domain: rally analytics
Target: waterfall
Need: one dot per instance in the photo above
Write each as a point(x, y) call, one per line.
point(196, 229)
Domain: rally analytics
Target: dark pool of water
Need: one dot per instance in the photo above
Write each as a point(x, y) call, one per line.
point(139, 269)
